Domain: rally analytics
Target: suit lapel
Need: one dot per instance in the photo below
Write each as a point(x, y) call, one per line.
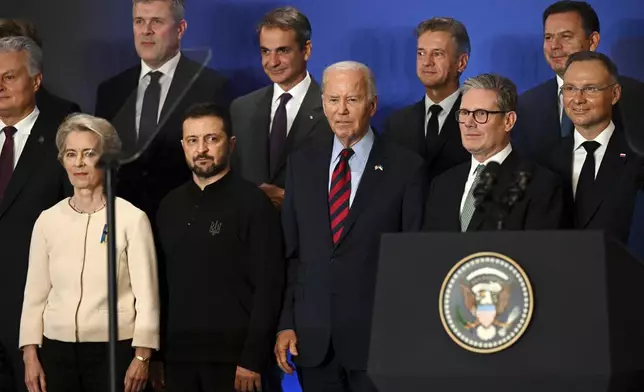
point(308, 115)
point(417, 127)
point(261, 121)
point(609, 171)
point(551, 110)
point(368, 184)
point(181, 81)
point(125, 119)
point(318, 186)
point(453, 200)
point(31, 157)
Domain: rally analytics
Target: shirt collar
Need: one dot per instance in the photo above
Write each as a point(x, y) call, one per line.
point(560, 83)
point(166, 69)
point(24, 126)
point(297, 92)
point(602, 138)
point(499, 158)
point(361, 149)
point(446, 103)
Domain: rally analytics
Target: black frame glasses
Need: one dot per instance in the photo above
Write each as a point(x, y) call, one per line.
point(482, 114)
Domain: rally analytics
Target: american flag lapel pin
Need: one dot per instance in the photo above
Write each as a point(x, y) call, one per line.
point(378, 167)
point(622, 155)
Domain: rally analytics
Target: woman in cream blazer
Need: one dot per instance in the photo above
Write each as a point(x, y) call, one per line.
point(64, 325)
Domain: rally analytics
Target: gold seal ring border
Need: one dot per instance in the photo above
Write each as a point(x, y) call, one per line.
point(528, 318)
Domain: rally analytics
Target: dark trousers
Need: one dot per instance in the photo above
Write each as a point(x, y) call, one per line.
point(83, 367)
point(332, 376)
point(200, 377)
point(6, 371)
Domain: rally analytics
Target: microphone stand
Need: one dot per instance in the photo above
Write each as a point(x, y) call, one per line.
point(110, 164)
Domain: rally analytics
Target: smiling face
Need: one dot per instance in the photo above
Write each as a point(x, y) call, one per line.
point(157, 35)
point(564, 35)
point(282, 58)
point(437, 61)
point(80, 157)
point(590, 112)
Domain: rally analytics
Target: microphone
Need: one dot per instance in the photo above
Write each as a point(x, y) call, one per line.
point(515, 192)
point(483, 190)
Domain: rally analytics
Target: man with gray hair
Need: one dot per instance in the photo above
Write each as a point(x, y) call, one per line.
point(276, 120)
point(480, 194)
point(429, 126)
point(152, 94)
point(341, 195)
point(30, 178)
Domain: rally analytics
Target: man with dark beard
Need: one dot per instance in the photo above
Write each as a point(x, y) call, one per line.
point(223, 261)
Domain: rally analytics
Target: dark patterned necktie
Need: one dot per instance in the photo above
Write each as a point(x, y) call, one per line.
point(6, 159)
point(340, 194)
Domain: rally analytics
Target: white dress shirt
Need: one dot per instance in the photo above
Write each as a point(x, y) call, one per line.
point(579, 153)
point(447, 104)
point(357, 162)
point(20, 137)
point(499, 157)
point(165, 81)
point(560, 97)
point(298, 92)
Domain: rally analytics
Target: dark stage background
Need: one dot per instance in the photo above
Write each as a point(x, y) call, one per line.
point(87, 41)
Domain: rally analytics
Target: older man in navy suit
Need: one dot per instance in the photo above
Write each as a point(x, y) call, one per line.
point(341, 195)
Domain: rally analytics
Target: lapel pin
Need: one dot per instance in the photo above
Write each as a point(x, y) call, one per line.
point(622, 155)
point(378, 167)
point(41, 139)
point(311, 117)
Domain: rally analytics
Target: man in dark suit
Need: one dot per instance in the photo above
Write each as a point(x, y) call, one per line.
point(476, 195)
point(429, 126)
point(341, 195)
point(31, 179)
point(601, 173)
point(569, 27)
point(153, 94)
point(272, 122)
point(18, 28)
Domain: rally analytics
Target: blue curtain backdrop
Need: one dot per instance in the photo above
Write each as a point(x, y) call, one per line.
point(87, 41)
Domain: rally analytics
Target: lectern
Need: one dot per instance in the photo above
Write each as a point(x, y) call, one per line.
point(585, 332)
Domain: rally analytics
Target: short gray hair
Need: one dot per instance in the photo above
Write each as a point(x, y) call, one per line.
point(288, 18)
point(506, 90)
point(176, 7)
point(449, 25)
point(26, 44)
point(109, 141)
point(353, 66)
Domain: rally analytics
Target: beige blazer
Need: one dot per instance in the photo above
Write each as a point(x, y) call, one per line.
point(66, 290)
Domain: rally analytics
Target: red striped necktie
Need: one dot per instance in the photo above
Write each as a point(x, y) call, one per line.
point(339, 194)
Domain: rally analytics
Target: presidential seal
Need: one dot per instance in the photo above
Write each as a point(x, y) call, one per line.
point(486, 302)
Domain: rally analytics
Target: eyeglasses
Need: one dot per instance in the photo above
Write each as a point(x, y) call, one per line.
point(480, 115)
point(568, 89)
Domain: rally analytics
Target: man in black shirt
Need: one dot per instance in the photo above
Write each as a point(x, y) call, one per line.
point(222, 257)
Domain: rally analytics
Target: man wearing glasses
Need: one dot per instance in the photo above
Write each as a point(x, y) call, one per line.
point(601, 174)
point(478, 195)
point(568, 27)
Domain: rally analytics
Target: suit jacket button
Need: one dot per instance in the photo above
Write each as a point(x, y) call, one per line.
point(333, 260)
point(144, 173)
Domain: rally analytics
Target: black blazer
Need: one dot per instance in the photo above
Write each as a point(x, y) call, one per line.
point(540, 208)
point(45, 99)
point(330, 288)
point(251, 116)
point(538, 127)
point(38, 182)
point(162, 167)
point(406, 127)
point(616, 185)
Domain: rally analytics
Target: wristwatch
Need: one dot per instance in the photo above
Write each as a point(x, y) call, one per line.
point(142, 359)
